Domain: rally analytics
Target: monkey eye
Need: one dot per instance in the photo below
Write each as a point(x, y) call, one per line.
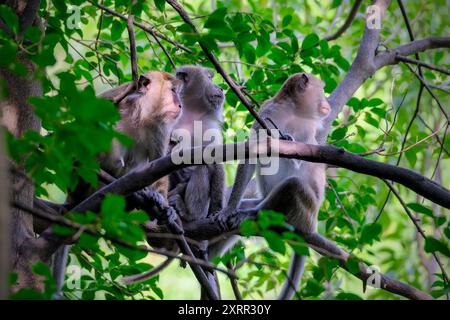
point(182, 76)
point(210, 75)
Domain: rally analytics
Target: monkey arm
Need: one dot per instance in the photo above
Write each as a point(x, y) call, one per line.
point(217, 188)
point(197, 193)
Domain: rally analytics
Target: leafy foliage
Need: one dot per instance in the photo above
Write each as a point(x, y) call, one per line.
point(260, 43)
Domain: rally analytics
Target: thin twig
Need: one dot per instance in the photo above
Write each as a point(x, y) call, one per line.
point(141, 26)
point(429, 91)
point(422, 64)
point(212, 58)
point(133, 54)
point(416, 224)
point(347, 22)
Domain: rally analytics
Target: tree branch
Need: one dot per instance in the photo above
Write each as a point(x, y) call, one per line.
point(5, 232)
point(423, 64)
point(389, 56)
point(361, 69)
point(215, 62)
point(347, 23)
point(151, 31)
point(133, 54)
point(320, 244)
point(70, 224)
point(142, 177)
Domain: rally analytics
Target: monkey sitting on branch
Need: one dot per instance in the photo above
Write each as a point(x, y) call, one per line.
point(148, 113)
point(297, 187)
point(197, 191)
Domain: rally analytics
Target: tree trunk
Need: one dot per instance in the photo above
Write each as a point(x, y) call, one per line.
point(18, 117)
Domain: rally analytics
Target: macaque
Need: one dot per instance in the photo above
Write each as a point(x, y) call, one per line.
point(148, 114)
point(202, 103)
point(199, 124)
point(297, 189)
point(196, 191)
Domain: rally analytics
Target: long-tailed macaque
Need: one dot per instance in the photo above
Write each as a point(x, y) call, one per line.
point(199, 124)
point(297, 188)
point(196, 191)
point(148, 114)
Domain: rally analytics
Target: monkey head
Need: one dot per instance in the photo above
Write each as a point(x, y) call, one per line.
point(154, 99)
point(305, 91)
point(198, 92)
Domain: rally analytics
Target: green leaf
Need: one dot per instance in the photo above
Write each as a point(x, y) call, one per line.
point(9, 18)
point(117, 30)
point(160, 4)
point(417, 207)
point(375, 102)
point(310, 41)
point(274, 241)
point(286, 20)
point(216, 19)
point(434, 245)
point(248, 228)
point(370, 233)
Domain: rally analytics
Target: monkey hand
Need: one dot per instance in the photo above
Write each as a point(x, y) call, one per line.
point(286, 136)
point(222, 217)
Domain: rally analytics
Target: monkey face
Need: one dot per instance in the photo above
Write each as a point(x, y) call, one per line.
point(306, 91)
point(155, 99)
point(198, 92)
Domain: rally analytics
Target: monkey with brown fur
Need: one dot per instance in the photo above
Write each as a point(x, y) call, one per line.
point(148, 114)
point(196, 191)
point(297, 188)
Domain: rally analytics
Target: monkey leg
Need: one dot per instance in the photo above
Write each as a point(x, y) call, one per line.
point(197, 194)
point(297, 201)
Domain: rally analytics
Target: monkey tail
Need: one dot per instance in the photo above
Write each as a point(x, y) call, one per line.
point(292, 282)
point(148, 274)
point(59, 270)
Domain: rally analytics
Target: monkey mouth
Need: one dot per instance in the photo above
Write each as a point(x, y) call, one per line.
point(172, 115)
point(216, 98)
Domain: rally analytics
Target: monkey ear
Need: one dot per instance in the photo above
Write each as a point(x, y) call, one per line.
point(143, 82)
point(117, 94)
point(183, 76)
point(303, 81)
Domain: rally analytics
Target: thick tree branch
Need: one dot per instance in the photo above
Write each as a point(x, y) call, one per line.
point(70, 224)
point(5, 232)
point(209, 228)
point(367, 62)
point(389, 56)
point(28, 15)
point(347, 23)
point(142, 177)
